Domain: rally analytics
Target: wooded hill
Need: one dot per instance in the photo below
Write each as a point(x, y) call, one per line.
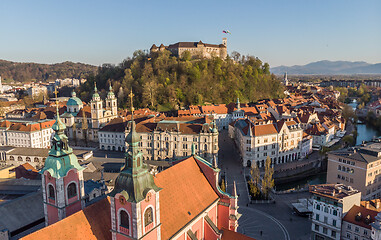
point(41, 72)
point(164, 82)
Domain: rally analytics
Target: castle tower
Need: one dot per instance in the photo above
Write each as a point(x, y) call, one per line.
point(96, 109)
point(111, 102)
point(135, 210)
point(62, 178)
point(225, 42)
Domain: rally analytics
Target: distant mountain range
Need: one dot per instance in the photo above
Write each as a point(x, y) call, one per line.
point(330, 68)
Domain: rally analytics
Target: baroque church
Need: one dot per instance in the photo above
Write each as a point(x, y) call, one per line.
point(81, 120)
point(181, 202)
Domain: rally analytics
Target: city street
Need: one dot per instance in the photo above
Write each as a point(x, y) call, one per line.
point(261, 221)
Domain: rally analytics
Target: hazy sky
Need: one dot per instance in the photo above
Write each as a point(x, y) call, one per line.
point(283, 32)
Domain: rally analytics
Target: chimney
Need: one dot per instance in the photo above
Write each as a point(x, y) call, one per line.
point(378, 203)
point(367, 204)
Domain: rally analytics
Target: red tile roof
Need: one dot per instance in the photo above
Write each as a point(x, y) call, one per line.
point(92, 223)
point(186, 193)
point(217, 109)
point(362, 219)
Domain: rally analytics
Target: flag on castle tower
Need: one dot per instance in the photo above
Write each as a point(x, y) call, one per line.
point(226, 31)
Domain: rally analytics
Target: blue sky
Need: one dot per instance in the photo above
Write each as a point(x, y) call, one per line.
point(283, 32)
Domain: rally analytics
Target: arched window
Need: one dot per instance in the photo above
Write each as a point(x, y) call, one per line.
point(35, 159)
point(19, 158)
point(148, 217)
point(71, 190)
point(28, 159)
point(206, 147)
point(52, 195)
point(124, 220)
point(11, 158)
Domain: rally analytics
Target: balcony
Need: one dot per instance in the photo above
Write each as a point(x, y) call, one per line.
point(148, 227)
point(124, 230)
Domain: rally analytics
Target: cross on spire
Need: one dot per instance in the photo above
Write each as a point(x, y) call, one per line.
point(56, 92)
point(131, 95)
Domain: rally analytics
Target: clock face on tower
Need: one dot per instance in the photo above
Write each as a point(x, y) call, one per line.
point(148, 197)
point(122, 200)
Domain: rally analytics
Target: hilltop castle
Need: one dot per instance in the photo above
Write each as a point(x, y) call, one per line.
point(197, 49)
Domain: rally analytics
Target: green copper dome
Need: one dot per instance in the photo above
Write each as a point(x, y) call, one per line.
point(61, 158)
point(59, 125)
point(134, 181)
point(74, 101)
point(110, 94)
point(132, 136)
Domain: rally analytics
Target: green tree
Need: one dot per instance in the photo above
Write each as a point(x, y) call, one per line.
point(268, 181)
point(186, 56)
point(348, 140)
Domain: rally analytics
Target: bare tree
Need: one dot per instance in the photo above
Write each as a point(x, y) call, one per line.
point(84, 127)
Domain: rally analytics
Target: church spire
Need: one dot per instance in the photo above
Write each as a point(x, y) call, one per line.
point(134, 180)
point(238, 104)
point(96, 96)
point(110, 93)
point(234, 190)
point(61, 158)
point(58, 126)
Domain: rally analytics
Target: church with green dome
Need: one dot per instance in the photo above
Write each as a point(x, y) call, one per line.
point(83, 121)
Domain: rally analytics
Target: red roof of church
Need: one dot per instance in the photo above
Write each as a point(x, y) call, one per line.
point(94, 222)
point(185, 190)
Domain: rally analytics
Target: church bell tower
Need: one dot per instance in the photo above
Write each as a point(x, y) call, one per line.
point(111, 102)
point(135, 209)
point(62, 178)
point(96, 109)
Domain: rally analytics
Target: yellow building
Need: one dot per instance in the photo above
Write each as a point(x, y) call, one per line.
point(7, 172)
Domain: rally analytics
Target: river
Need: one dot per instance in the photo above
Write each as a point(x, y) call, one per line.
point(364, 133)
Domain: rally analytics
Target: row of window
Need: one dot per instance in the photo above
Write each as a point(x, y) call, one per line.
point(346, 161)
point(357, 229)
point(28, 159)
point(345, 178)
point(345, 169)
point(375, 173)
point(325, 230)
point(326, 209)
point(71, 191)
point(325, 219)
point(125, 219)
